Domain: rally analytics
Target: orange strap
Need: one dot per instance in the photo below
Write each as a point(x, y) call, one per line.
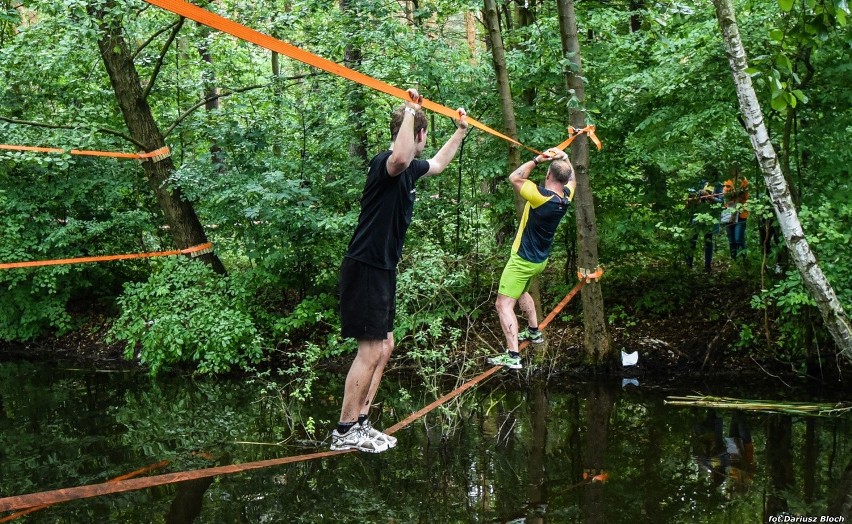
point(155, 155)
point(136, 473)
point(242, 32)
point(574, 133)
point(586, 276)
point(198, 250)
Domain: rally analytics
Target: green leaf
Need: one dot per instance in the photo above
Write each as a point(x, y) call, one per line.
point(779, 103)
point(785, 5)
point(800, 95)
point(777, 35)
point(752, 71)
point(791, 100)
point(784, 63)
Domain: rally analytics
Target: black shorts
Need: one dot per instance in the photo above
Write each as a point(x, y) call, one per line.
point(367, 300)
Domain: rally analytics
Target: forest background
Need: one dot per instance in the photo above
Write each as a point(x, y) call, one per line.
point(270, 155)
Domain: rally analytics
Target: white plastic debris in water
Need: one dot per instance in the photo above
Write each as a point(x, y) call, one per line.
point(629, 382)
point(629, 359)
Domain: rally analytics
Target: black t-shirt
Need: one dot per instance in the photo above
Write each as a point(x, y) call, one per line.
point(387, 205)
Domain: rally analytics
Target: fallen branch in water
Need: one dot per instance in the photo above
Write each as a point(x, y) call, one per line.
point(790, 408)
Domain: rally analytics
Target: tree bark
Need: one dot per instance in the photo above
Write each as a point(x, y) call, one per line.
point(596, 342)
point(210, 91)
point(184, 226)
point(352, 60)
point(526, 18)
point(504, 89)
point(815, 281)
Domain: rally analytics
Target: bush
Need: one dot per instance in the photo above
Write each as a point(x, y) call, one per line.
point(185, 313)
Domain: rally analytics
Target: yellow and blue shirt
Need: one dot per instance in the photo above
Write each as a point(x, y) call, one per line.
point(543, 211)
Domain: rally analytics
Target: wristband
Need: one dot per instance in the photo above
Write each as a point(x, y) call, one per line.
point(410, 111)
point(535, 160)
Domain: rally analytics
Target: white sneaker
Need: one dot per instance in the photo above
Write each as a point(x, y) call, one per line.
point(359, 439)
point(376, 434)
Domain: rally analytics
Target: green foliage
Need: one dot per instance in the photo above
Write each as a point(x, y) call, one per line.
point(828, 227)
point(185, 313)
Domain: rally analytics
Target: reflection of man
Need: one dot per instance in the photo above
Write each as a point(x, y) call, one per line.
point(368, 271)
point(730, 458)
point(545, 206)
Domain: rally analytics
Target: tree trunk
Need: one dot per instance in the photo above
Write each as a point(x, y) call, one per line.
point(210, 91)
point(352, 60)
point(184, 226)
point(597, 344)
point(526, 18)
point(470, 33)
point(815, 281)
point(498, 55)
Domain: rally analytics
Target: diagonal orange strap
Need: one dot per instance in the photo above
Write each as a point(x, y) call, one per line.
point(242, 32)
point(157, 154)
point(574, 133)
point(194, 250)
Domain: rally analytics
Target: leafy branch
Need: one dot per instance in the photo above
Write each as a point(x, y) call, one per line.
point(223, 94)
point(162, 57)
point(104, 130)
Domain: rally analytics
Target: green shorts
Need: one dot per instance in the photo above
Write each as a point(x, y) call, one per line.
point(517, 275)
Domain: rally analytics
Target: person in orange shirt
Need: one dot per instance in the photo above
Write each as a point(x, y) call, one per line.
point(735, 215)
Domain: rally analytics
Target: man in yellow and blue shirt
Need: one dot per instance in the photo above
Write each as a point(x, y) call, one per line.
point(544, 208)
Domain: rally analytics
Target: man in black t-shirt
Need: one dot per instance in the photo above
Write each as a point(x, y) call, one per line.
point(368, 272)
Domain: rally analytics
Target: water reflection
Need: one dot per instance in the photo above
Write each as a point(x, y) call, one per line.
point(729, 460)
point(512, 450)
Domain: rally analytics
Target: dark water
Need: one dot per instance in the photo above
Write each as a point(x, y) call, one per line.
point(508, 451)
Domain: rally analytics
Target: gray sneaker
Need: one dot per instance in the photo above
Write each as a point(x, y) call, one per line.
point(506, 360)
point(378, 435)
point(359, 439)
point(533, 336)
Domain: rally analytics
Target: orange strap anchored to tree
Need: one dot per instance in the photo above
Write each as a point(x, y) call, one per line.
point(586, 275)
point(574, 133)
point(194, 251)
point(202, 16)
point(154, 156)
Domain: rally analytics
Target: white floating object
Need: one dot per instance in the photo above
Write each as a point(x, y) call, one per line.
point(629, 382)
point(629, 359)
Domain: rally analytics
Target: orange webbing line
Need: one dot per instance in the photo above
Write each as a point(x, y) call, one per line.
point(105, 258)
point(162, 152)
point(96, 490)
point(136, 473)
point(574, 133)
point(242, 32)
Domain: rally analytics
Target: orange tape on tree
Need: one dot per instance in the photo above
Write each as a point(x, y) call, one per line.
point(574, 133)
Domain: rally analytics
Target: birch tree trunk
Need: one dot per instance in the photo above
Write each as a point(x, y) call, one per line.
point(817, 285)
point(504, 89)
point(596, 342)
